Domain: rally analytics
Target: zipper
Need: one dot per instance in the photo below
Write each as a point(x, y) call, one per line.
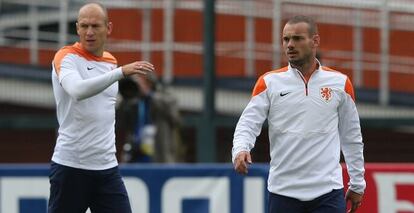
point(305, 82)
point(306, 88)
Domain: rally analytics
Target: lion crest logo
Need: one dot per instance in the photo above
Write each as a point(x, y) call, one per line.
point(326, 94)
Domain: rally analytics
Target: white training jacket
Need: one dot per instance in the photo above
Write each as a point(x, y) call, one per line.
point(310, 121)
point(85, 89)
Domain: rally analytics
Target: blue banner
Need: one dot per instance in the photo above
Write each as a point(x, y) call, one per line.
point(152, 188)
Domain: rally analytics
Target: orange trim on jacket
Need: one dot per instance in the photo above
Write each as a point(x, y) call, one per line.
point(261, 85)
point(78, 50)
point(348, 84)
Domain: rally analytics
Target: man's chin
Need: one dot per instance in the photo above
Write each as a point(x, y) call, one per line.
point(89, 47)
point(295, 61)
point(89, 44)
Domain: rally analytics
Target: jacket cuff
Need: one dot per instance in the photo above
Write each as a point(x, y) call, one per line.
point(237, 150)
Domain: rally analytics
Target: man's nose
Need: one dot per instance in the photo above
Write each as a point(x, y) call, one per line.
point(290, 44)
point(89, 31)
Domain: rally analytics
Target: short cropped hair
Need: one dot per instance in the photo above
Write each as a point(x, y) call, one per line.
point(313, 28)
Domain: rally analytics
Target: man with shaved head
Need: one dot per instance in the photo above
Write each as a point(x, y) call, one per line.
point(84, 169)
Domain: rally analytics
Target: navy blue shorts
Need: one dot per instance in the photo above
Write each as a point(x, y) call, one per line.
point(332, 202)
point(75, 190)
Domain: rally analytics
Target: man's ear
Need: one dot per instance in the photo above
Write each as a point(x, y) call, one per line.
point(110, 27)
point(316, 40)
point(77, 28)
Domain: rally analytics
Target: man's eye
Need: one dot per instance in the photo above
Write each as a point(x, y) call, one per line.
point(296, 38)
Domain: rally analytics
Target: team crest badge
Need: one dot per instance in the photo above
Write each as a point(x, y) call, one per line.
point(326, 94)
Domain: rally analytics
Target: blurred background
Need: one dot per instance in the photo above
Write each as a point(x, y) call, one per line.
point(370, 41)
point(208, 55)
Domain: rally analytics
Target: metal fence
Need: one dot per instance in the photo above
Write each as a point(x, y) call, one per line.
point(366, 39)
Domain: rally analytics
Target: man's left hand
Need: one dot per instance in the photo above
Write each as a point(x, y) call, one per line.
point(355, 199)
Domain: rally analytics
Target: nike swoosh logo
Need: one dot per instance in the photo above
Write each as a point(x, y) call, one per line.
point(89, 68)
point(283, 94)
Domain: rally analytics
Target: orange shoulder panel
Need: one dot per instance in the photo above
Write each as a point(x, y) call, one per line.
point(261, 84)
point(283, 69)
point(348, 84)
point(349, 88)
point(57, 60)
point(107, 57)
point(78, 50)
point(327, 68)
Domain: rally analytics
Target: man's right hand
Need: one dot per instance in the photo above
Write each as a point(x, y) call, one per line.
point(241, 162)
point(137, 67)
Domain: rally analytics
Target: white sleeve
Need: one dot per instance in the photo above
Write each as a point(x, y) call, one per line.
point(250, 123)
point(351, 143)
point(79, 88)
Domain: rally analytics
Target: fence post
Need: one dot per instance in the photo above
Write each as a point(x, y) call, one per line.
point(169, 6)
point(146, 31)
point(34, 34)
point(276, 25)
point(384, 90)
point(357, 49)
point(206, 141)
point(63, 23)
point(250, 38)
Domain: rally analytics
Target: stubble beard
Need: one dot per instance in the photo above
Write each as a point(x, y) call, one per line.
point(300, 62)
